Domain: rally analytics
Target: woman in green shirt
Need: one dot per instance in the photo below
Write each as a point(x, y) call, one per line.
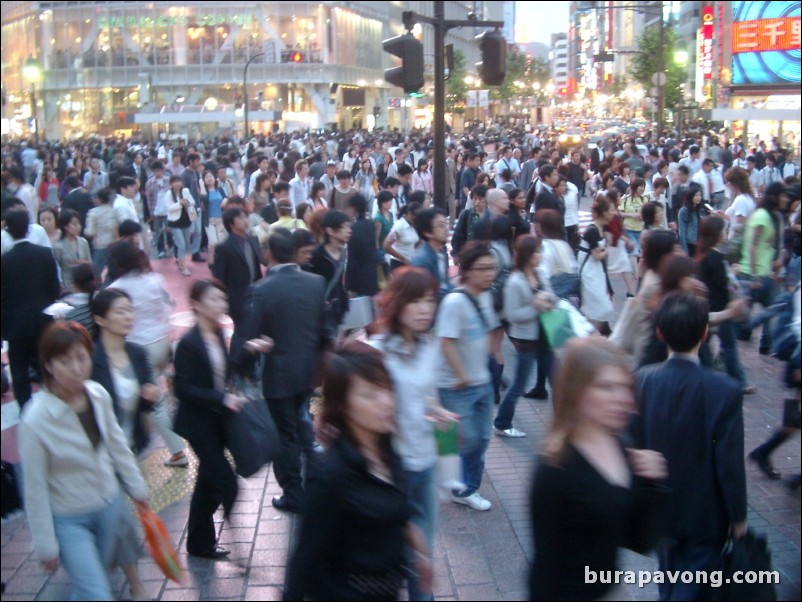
point(383, 222)
point(761, 257)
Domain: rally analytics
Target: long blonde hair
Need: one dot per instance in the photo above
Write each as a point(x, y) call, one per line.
point(584, 359)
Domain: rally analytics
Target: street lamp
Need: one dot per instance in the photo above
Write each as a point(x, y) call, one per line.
point(681, 59)
point(245, 93)
point(32, 72)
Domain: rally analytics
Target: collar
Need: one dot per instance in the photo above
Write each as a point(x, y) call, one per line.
point(394, 344)
point(55, 406)
point(282, 266)
point(688, 357)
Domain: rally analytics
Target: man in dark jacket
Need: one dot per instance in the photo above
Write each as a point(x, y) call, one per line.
point(693, 416)
point(287, 307)
point(28, 284)
point(236, 262)
point(432, 228)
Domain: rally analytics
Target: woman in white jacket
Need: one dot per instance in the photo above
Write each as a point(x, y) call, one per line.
point(526, 293)
point(73, 451)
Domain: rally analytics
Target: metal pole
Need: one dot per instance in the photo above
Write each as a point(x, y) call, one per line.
point(439, 106)
point(245, 94)
point(661, 70)
point(34, 113)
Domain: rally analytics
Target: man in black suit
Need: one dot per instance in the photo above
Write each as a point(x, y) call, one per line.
point(78, 199)
point(287, 306)
point(547, 198)
point(236, 262)
point(28, 284)
point(693, 416)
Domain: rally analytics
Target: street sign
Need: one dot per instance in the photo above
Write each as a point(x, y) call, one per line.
point(659, 79)
point(653, 91)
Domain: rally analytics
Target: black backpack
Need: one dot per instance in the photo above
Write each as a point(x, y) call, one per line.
point(497, 289)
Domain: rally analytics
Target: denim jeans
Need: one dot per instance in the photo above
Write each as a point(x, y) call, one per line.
point(729, 351)
point(422, 489)
point(764, 294)
point(634, 236)
point(475, 407)
point(86, 544)
point(183, 241)
point(100, 257)
point(506, 411)
point(197, 234)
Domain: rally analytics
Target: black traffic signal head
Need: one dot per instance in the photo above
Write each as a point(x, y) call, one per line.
point(493, 67)
point(409, 75)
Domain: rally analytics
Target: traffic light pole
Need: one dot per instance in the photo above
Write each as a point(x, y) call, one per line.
point(441, 27)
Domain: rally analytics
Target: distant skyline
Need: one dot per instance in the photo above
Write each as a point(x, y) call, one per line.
point(536, 21)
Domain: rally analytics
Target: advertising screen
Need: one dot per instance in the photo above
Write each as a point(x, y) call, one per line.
point(765, 43)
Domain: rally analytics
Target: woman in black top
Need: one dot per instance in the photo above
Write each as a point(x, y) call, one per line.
point(714, 272)
point(590, 495)
point(357, 520)
point(361, 277)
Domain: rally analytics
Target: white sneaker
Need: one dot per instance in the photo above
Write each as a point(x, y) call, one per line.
point(512, 433)
point(475, 501)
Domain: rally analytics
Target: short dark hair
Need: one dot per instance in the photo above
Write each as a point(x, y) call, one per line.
point(343, 174)
point(681, 320)
point(407, 285)
point(383, 197)
point(102, 301)
point(192, 157)
point(17, 223)
point(404, 169)
point(128, 228)
point(424, 221)
point(124, 182)
point(390, 181)
point(480, 190)
point(657, 245)
point(67, 215)
point(525, 247)
point(229, 215)
point(73, 182)
point(280, 187)
point(125, 258)
point(551, 223)
point(472, 252)
point(282, 245)
point(334, 219)
point(156, 165)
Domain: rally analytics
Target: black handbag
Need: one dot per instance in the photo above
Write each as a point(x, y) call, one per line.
point(250, 434)
point(750, 553)
point(791, 413)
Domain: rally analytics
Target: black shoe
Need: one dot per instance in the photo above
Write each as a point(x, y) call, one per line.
point(196, 258)
point(764, 351)
point(216, 554)
point(744, 336)
point(537, 394)
point(281, 503)
point(793, 483)
point(765, 466)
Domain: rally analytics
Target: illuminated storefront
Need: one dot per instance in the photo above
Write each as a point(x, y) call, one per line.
point(120, 66)
point(763, 77)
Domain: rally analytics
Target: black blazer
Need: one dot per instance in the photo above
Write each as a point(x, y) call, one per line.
point(28, 284)
point(231, 269)
point(546, 199)
point(200, 404)
point(286, 306)
point(101, 373)
point(693, 416)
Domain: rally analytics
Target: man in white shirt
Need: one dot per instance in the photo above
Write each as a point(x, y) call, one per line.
point(95, 179)
point(704, 179)
point(124, 206)
point(36, 234)
point(508, 162)
point(755, 175)
point(24, 192)
point(301, 184)
point(329, 178)
point(693, 160)
point(771, 173)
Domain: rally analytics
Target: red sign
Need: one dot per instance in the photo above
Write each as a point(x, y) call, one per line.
point(763, 35)
point(706, 51)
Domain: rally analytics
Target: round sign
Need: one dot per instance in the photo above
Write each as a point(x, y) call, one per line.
point(659, 79)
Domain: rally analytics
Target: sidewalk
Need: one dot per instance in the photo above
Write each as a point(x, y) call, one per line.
point(478, 556)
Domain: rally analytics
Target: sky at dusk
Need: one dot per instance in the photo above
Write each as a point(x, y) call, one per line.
point(536, 21)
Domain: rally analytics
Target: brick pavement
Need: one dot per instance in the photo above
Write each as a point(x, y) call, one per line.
point(478, 556)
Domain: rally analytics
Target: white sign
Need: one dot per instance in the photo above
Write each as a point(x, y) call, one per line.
point(470, 101)
point(484, 98)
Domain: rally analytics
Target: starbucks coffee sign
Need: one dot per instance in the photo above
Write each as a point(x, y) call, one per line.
point(202, 20)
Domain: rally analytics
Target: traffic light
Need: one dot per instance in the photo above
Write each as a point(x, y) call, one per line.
point(409, 75)
point(297, 57)
point(493, 67)
point(563, 92)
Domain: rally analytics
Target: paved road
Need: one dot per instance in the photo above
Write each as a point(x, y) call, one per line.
point(478, 556)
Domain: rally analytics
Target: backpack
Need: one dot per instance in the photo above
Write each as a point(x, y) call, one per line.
point(497, 289)
point(566, 284)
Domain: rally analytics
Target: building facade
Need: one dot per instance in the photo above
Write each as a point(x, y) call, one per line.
point(558, 60)
point(158, 66)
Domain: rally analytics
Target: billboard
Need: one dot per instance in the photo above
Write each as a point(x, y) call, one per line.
point(765, 43)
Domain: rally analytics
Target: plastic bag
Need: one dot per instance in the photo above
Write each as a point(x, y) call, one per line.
point(449, 463)
point(159, 544)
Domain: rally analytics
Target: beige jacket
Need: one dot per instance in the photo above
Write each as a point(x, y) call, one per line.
point(62, 474)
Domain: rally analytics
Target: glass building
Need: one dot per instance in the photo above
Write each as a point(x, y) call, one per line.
point(116, 67)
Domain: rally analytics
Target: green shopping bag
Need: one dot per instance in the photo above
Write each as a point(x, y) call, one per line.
point(557, 327)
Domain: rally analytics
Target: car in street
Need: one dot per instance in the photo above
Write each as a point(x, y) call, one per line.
point(572, 136)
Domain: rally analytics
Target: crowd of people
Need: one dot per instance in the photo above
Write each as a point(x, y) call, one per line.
point(297, 232)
